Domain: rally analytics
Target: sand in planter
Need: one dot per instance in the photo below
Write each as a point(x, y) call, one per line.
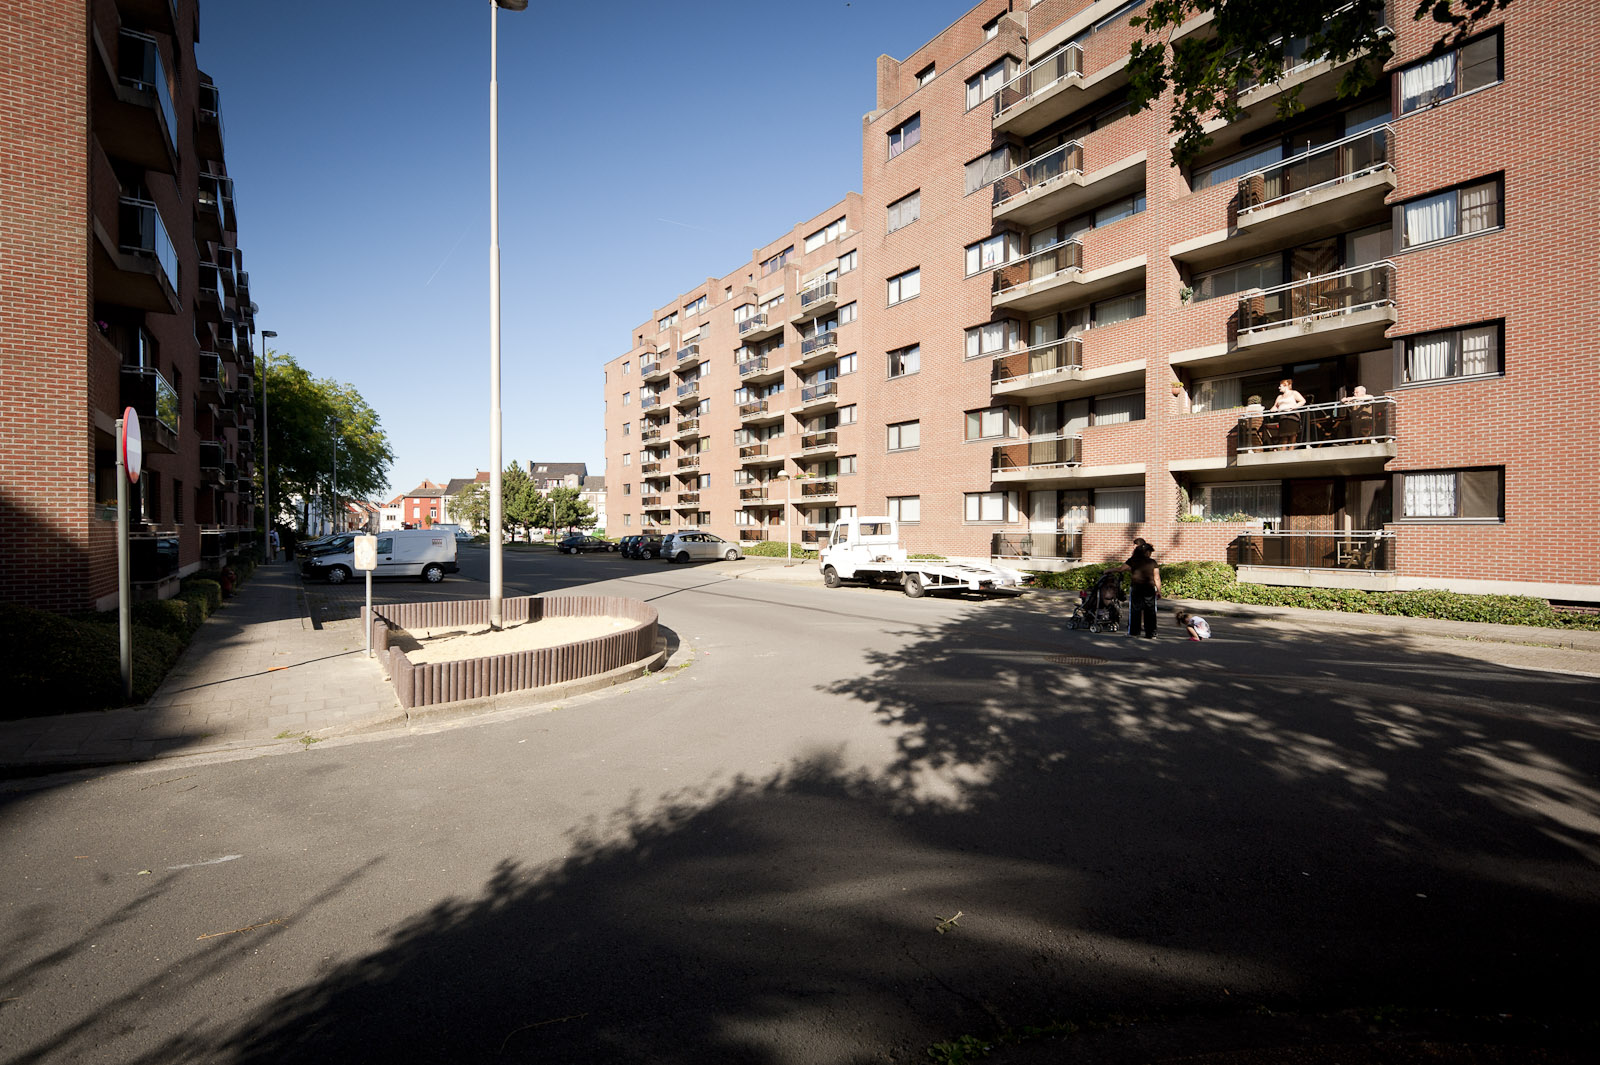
point(454, 644)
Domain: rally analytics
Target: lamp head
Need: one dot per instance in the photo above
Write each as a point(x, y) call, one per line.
point(512, 5)
point(267, 333)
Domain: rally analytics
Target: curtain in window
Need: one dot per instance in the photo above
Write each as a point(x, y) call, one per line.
point(1431, 219)
point(1109, 312)
point(1114, 410)
point(1216, 394)
point(1428, 358)
point(1430, 495)
point(1480, 207)
point(1256, 500)
point(1477, 350)
point(989, 169)
point(1427, 82)
point(1119, 505)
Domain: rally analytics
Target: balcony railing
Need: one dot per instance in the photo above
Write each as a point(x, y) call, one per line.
point(1060, 258)
point(647, 402)
point(210, 461)
point(822, 293)
point(647, 369)
point(1058, 162)
point(752, 495)
point(139, 67)
point(822, 390)
point(689, 351)
point(689, 462)
point(689, 389)
point(652, 501)
point(1351, 549)
point(1332, 164)
point(750, 366)
point(142, 232)
point(748, 535)
point(152, 559)
point(210, 108)
point(1067, 545)
point(1041, 360)
point(688, 498)
point(818, 441)
point(213, 376)
point(753, 323)
point(210, 286)
point(1344, 292)
point(815, 345)
point(752, 451)
point(648, 468)
point(1038, 453)
point(649, 435)
point(148, 393)
point(1370, 420)
point(1065, 63)
point(688, 425)
point(747, 410)
point(818, 489)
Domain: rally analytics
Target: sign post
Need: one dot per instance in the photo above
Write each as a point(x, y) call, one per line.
point(366, 551)
point(130, 461)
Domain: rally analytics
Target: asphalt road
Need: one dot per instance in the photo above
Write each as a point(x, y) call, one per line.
point(745, 858)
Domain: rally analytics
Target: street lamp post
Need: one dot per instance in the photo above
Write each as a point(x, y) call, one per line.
point(266, 450)
point(496, 509)
point(788, 530)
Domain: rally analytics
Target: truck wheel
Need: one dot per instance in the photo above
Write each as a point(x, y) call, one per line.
point(433, 573)
point(338, 575)
point(830, 577)
point(914, 588)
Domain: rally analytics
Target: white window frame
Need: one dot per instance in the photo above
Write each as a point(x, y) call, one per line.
point(904, 211)
point(908, 358)
point(902, 138)
point(907, 510)
point(990, 508)
point(897, 432)
point(900, 283)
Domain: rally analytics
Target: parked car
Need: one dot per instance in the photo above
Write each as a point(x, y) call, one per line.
point(577, 543)
point(463, 537)
point(691, 546)
point(642, 545)
point(323, 544)
point(401, 553)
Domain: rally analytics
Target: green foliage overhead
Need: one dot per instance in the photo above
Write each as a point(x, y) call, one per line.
point(1252, 42)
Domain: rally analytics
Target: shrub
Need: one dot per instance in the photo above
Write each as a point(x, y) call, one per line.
point(63, 665)
point(173, 616)
point(773, 549)
point(211, 589)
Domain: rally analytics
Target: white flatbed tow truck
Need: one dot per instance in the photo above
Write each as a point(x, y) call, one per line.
point(868, 549)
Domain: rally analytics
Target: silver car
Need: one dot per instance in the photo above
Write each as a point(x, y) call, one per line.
point(698, 546)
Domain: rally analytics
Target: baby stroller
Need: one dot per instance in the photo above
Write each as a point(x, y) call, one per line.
point(1100, 608)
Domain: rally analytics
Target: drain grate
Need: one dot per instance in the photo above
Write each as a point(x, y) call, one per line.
point(1079, 660)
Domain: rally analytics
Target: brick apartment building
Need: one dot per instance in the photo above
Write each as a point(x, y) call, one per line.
point(121, 284)
point(1032, 336)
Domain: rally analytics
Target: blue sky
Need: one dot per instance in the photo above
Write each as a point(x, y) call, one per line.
point(644, 147)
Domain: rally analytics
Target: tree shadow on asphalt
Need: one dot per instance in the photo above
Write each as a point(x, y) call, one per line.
point(1293, 821)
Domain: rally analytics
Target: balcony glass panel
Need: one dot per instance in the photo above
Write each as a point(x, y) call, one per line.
point(1369, 420)
point(1051, 357)
point(1338, 293)
point(139, 67)
point(142, 232)
point(811, 345)
point(752, 323)
point(747, 409)
point(148, 393)
point(1067, 159)
point(819, 294)
point(827, 439)
point(750, 366)
point(824, 390)
point(1037, 545)
point(1315, 550)
point(1054, 68)
point(1060, 258)
point(1331, 164)
point(1051, 451)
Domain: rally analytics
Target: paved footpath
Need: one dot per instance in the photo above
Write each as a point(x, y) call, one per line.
point(257, 674)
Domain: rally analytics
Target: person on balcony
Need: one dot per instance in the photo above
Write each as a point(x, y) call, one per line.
point(1358, 406)
point(1287, 407)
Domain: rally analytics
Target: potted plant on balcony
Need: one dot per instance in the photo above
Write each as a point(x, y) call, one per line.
point(1177, 387)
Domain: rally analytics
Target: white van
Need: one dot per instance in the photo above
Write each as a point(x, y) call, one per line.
point(425, 553)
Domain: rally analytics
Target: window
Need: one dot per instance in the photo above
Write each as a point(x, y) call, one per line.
point(847, 415)
point(768, 306)
point(987, 169)
point(992, 422)
point(1216, 393)
point(832, 231)
point(777, 261)
point(904, 286)
point(989, 506)
point(694, 307)
point(991, 29)
point(848, 261)
point(1262, 499)
point(905, 135)
point(905, 509)
point(992, 251)
point(627, 428)
point(627, 458)
point(1459, 212)
point(627, 368)
point(905, 361)
point(627, 521)
point(847, 364)
point(1117, 309)
point(627, 489)
point(992, 338)
point(847, 465)
point(1118, 409)
point(177, 501)
point(987, 82)
point(1117, 210)
point(1454, 494)
point(903, 436)
point(846, 315)
point(627, 398)
point(1432, 81)
point(1236, 167)
point(1119, 505)
point(743, 312)
point(1258, 273)
point(1471, 352)
point(668, 322)
point(905, 210)
point(925, 75)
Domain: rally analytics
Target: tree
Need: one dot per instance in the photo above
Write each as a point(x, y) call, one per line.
point(568, 510)
point(320, 432)
point(470, 506)
point(520, 501)
point(1246, 45)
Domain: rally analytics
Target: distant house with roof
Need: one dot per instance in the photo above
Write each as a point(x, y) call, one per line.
point(422, 506)
point(594, 494)
point(548, 475)
point(456, 484)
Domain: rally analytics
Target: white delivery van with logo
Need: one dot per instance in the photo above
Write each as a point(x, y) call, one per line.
point(425, 553)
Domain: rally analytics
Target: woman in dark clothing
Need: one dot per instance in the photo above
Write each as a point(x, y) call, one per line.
point(1146, 578)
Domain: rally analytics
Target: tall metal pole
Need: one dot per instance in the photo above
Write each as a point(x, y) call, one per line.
point(788, 517)
point(124, 575)
point(266, 450)
point(496, 515)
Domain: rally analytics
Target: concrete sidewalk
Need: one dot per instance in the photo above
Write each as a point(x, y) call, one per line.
point(257, 674)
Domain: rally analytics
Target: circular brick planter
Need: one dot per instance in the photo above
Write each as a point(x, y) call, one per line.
point(431, 684)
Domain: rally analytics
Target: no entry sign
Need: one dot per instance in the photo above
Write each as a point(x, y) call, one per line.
point(132, 444)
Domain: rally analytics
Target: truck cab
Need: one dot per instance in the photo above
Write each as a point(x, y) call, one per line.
point(855, 542)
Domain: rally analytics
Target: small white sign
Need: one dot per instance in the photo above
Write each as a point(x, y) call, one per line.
point(366, 553)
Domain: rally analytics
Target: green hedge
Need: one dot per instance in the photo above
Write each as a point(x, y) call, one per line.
point(203, 586)
point(773, 549)
point(176, 617)
point(63, 664)
point(1217, 581)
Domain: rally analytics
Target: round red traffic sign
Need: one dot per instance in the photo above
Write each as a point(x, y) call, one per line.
point(132, 445)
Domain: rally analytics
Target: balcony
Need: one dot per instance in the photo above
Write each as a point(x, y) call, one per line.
point(817, 444)
point(152, 559)
point(756, 497)
point(213, 377)
point(1063, 257)
point(649, 402)
point(688, 499)
point(1040, 453)
point(148, 393)
point(1038, 370)
point(688, 394)
point(686, 427)
point(1351, 558)
point(134, 119)
point(822, 394)
point(140, 269)
point(760, 370)
point(756, 411)
point(689, 462)
point(648, 469)
point(760, 326)
point(748, 535)
point(1324, 439)
point(1349, 310)
point(1052, 89)
point(755, 455)
point(1055, 547)
point(816, 299)
point(818, 491)
point(653, 502)
point(689, 355)
point(650, 436)
point(208, 127)
point(1332, 189)
point(1055, 186)
point(210, 462)
point(208, 212)
point(818, 350)
point(653, 371)
point(209, 299)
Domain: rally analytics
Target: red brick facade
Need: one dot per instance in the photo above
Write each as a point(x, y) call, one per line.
point(1528, 426)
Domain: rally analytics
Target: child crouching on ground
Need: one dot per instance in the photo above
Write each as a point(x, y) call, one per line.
point(1198, 627)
